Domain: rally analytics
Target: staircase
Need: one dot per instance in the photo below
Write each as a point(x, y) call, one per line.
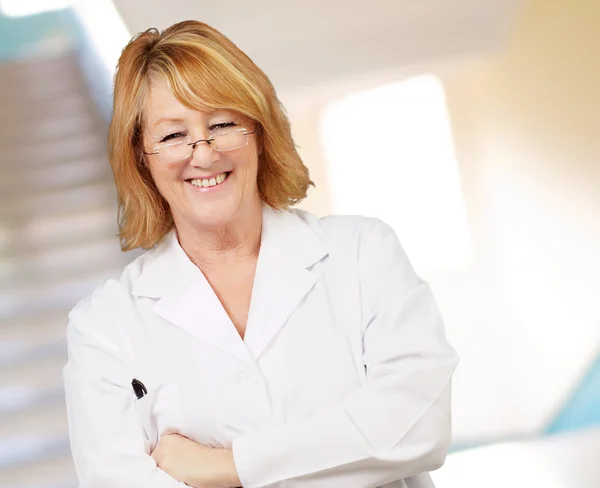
point(57, 243)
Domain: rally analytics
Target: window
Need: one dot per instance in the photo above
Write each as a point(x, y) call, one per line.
point(390, 154)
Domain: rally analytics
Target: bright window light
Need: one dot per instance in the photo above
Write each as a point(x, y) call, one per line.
point(105, 29)
point(390, 155)
point(21, 8)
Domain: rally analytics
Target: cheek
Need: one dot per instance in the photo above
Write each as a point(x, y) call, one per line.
point(249, 163)
point(249, 172)
point(164, 178)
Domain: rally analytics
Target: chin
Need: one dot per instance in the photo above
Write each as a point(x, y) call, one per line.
point(215, 214)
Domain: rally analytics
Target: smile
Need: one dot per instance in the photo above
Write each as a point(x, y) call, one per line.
point(209, 182)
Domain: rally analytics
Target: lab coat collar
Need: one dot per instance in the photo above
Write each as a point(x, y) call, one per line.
point(289, 248)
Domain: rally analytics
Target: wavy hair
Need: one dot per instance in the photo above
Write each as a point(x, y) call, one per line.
point(205, 71)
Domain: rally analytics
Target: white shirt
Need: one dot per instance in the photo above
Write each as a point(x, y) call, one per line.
point(342, 379)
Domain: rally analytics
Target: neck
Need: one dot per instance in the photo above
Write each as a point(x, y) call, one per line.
point(238, 241)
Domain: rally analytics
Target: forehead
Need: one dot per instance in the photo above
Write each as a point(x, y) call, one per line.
point(160, 103)
point(162, 106)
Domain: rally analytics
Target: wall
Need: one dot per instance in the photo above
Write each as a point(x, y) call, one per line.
point(43, 34)
point(526, 126)
point(523, 315)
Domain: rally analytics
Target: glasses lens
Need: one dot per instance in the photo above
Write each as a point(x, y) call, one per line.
point(173, 152)
point(230, 141)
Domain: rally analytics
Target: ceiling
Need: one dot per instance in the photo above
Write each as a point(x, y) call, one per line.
point(315, 42)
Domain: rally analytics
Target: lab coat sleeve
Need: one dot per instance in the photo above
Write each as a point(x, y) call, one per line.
point(397, 424)
point(108, 443)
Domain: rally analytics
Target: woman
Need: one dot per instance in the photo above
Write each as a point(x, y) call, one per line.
point(251, 345)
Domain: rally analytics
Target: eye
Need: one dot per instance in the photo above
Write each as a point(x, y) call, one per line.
point(174, 135)
point(222, 125)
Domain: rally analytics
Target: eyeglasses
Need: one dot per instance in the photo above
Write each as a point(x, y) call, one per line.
point(182, 149)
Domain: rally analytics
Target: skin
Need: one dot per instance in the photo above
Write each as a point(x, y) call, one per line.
point(194, 464)
point(219, 231)
point(209, 225)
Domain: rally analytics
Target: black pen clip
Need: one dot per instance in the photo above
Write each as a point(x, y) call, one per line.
point(139, 388)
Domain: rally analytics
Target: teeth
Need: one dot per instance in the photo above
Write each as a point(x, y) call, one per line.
point(205, 183)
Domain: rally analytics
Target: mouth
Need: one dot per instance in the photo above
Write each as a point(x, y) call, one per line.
point(209, 182)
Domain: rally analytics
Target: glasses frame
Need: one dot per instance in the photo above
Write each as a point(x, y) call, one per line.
point(208, 141)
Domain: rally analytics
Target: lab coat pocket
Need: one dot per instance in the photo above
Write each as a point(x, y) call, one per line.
point(160, 412)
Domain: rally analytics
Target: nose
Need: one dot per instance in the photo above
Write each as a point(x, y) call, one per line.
point(203, 155)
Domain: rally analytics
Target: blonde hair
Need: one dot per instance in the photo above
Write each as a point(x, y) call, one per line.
point(205, 70)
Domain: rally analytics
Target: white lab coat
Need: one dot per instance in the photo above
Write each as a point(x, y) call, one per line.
point(342, 379)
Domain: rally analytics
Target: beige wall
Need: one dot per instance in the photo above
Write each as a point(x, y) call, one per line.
point(527, 130)
point(526, 121)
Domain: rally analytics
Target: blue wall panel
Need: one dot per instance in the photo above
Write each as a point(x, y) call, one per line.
point(583, 408)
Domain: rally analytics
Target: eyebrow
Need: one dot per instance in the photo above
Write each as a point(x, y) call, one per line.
point(179, 119)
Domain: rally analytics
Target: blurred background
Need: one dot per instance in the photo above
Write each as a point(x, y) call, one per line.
point(471, 126)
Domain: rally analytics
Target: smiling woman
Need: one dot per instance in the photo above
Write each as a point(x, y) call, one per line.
point(174, 90)
point(252, 344)
point(215, 145)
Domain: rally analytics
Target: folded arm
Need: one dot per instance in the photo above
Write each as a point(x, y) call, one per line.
point(109, 446)
point(398, 424)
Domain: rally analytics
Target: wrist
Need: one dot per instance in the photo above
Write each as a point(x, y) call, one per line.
point(219, 470)
point(228, 475)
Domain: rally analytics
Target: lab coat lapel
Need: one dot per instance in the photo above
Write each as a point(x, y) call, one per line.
point(186, 299)
point(289, 247)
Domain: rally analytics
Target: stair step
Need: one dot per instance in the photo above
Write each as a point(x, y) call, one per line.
point(48, 418)
point(51, 297)
point(18, 400)
point(44, 374)
point(27, 320)
point(45, 153)
point(34, 72)
point(16, 352)
point(35, 330)
point(38, 68)
point(56, 202)
point(23, 450)
point(68, 105)
point(51, 259)
point(33, 91)
point(41, 338)
point(61, 175)
point(56, 470)
point(29, 87)
point(48, 129)
point(46, 267)
point(60, 231)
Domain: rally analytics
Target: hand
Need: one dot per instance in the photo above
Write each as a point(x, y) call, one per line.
point(195, 464)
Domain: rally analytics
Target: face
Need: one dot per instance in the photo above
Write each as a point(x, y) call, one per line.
point(210, 188)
